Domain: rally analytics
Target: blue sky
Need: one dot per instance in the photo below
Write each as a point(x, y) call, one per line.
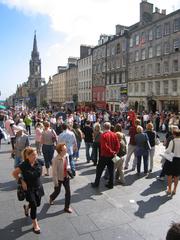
point(61, 26)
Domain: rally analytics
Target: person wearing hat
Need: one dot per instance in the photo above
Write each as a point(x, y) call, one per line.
point(21, 142)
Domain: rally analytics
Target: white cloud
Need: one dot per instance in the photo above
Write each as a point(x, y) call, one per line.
point(82, 21)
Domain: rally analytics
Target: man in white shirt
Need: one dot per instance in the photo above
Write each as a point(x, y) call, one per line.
point(68, 137)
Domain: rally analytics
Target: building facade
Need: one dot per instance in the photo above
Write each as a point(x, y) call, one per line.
point(72, 81)
point(154, 60)
point(59, 86)
point(85, 80)
point(99, 73)
point(116, 73)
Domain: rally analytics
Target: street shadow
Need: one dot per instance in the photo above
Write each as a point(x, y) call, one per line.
point(154, 174)
point(154, 187)
point(15, 230)
point(4, 152)
point(88, 172)
point(84, 166)
point(8, 186)
point(130, 179)
point(44, 212)
point(151, 205)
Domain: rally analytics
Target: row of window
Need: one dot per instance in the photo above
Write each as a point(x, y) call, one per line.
point(116, 78)
point(159, 68)
point(156, 51)
point(155, 33)
point(84, 62)
point(84, 97)
point(85, 74)
point(163, 87)
point(84, 85)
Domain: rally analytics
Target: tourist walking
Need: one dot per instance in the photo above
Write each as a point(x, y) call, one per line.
point(28, 173)
point(60, 170)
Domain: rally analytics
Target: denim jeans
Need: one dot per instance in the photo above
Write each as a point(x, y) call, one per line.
point(145, 160)
point(88, 155)
point(72, 164)
point(17, 161)
point(48, 153)
point(76, 154)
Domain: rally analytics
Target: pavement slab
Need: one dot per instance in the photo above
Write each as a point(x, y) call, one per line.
point(140, 210)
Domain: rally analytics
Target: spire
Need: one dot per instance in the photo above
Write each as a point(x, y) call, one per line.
point(35, 49)
point(35, 43)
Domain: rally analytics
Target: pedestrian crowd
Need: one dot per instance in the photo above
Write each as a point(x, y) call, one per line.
point(58, 138)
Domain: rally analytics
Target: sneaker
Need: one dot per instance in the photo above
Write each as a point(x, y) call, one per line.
point(160, 178)
point(146, 175)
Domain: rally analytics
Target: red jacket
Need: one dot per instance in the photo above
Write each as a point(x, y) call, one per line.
point(109, 144)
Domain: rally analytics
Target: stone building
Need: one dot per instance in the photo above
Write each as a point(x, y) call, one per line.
point(59, 86)
point(154, 60)
point(99, 73)
point(116, 74)
point(72, 81)
point(85, 77)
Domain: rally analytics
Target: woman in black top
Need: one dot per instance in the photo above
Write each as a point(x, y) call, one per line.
point(28, 173)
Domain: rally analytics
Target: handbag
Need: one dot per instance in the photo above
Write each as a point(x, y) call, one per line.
point(169, 156)
point(20, 193)
point(116, 159)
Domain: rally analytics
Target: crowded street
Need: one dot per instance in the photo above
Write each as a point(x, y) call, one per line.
point(138, 210)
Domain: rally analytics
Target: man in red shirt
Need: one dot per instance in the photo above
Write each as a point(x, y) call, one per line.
point(132, 145)
point(109, 147)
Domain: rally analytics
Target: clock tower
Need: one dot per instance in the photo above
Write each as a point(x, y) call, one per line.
point(34, 79)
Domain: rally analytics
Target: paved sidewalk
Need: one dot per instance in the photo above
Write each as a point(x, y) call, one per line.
point(140, 210)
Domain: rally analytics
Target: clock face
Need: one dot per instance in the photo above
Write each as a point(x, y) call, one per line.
point(147, 17)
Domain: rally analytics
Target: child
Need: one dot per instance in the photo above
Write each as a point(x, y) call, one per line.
point(60, 173)
point(119, 165)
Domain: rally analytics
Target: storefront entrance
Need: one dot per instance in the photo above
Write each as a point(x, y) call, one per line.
point(170, 106)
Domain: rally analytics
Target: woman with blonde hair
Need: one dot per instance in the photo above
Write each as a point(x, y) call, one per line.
point(142, 149)
point(60, 173)
point(28, 174)
point(152, 140)
point(48, 139)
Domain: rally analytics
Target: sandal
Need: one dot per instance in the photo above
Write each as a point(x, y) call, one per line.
point(26, 210)
point(167, 192)
point(37, 231)
point(173, 193)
